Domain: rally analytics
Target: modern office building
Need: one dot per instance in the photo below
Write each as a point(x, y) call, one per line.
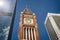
point(7, 8)
point(52, 24)
point(28, 29)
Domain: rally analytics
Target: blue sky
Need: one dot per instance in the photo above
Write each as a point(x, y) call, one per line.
point(40, 8)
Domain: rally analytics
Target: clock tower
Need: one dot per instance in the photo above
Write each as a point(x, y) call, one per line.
point(28, 29)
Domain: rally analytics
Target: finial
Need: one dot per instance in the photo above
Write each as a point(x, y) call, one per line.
point(26, 6)
point(27, 9)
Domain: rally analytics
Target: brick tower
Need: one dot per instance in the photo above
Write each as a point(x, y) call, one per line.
point(28, 29)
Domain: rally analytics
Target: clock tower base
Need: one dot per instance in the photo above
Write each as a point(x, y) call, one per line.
point(27, 33)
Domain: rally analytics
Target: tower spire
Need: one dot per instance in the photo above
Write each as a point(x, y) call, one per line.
point(26, 6)
point(27, 10)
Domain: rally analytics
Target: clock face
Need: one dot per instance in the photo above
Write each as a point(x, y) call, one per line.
point(28, 21)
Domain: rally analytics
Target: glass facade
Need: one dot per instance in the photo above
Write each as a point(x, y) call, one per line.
point(6, 13)
point(53, 26)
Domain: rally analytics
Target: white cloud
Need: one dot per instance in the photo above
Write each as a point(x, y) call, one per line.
point(5, 6)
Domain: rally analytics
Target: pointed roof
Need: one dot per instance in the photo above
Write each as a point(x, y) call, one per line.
point(27, 11)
